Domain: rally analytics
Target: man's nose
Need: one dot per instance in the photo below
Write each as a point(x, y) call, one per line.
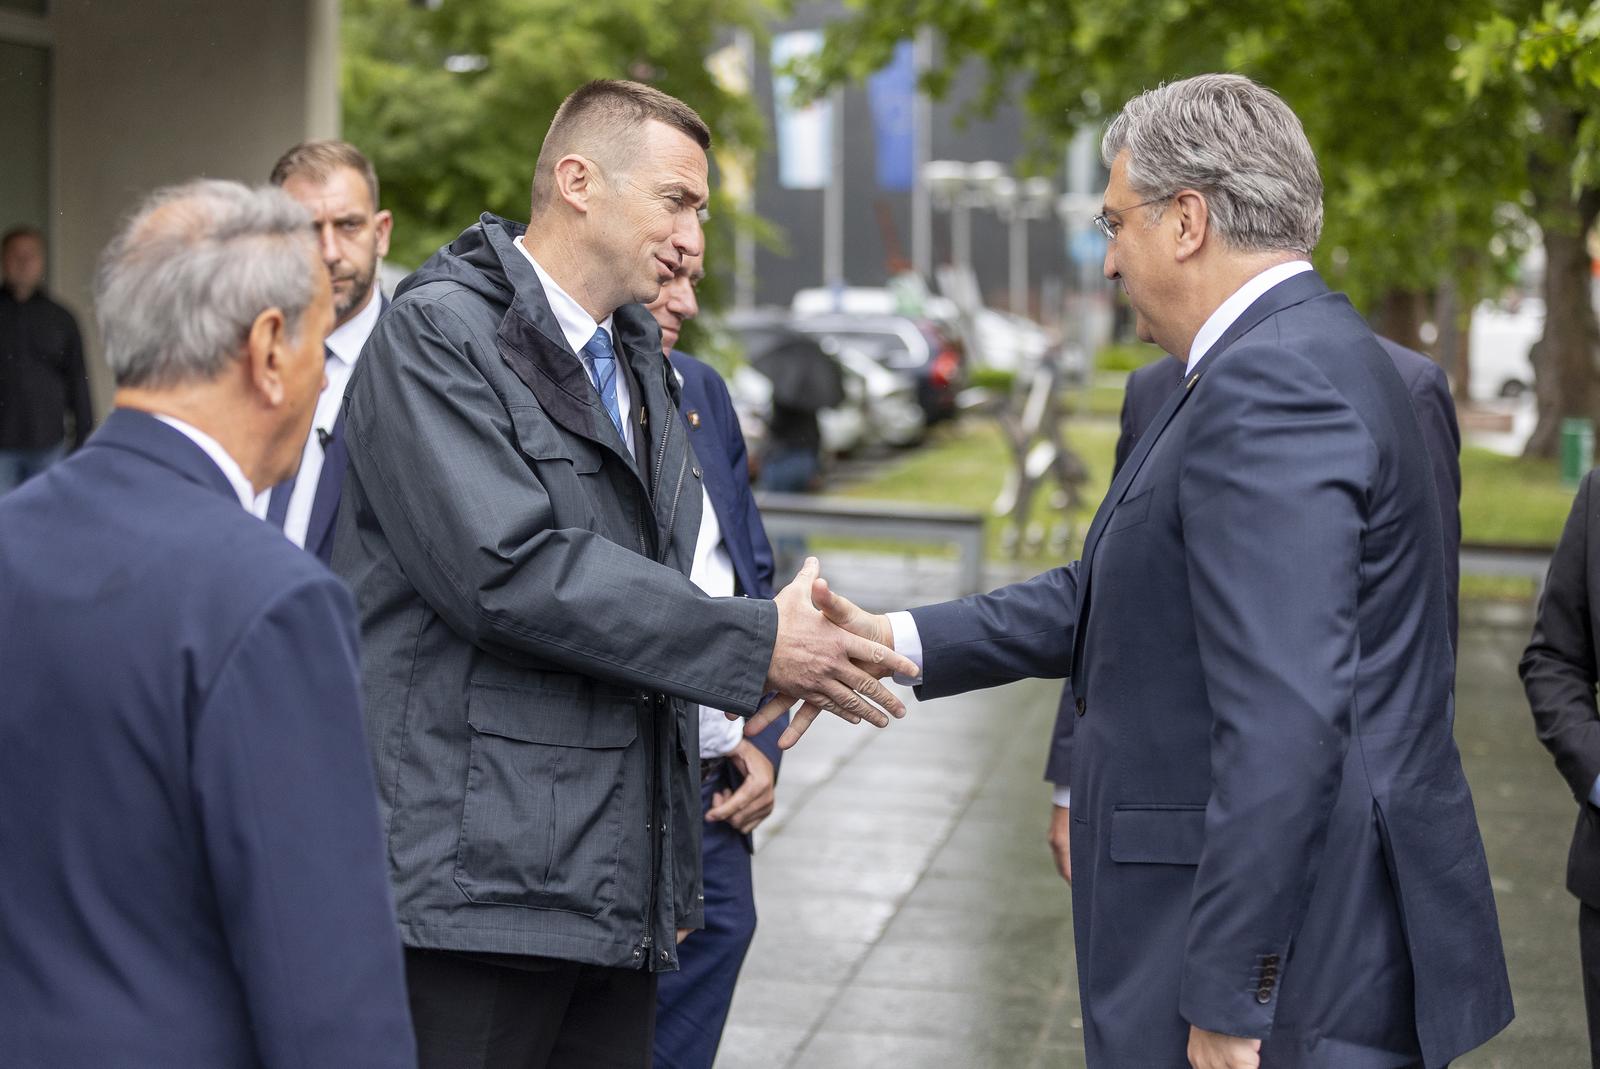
point(328, 244)
point(689, 239)
point(1109, 268)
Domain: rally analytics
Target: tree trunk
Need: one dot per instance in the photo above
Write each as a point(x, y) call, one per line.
point(1564, 359)
point(1401, 314)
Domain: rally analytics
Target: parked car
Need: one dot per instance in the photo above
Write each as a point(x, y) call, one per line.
point(844, 427)
point(894, 415)
point(934, 361)
point(1501, 340)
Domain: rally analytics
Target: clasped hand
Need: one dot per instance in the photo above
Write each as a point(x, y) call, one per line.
point(829, 655)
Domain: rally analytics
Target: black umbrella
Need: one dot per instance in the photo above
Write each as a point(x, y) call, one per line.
point(802, 375)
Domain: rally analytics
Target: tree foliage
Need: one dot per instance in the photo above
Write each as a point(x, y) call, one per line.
point(449, 144)
point(1415, 171)
point(1542, 61)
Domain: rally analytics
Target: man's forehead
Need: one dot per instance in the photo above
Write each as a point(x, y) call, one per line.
point(340, 192)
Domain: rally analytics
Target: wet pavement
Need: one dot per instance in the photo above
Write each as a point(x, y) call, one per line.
point(911, 916)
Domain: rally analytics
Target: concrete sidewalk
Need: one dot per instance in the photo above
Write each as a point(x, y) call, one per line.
point(911, 916)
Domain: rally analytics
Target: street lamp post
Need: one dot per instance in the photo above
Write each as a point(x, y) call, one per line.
point(1020, 202)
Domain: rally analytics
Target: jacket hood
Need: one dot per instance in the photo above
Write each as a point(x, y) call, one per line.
point(475, 260)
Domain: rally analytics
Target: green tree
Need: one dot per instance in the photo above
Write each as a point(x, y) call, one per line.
point(1543, 59)
point(452, 103)
point(1415, 171)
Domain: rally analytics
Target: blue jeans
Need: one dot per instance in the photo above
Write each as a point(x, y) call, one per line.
point(17, 466)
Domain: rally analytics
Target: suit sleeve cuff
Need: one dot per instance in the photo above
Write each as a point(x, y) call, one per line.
point(1062, 797)
point(907, 642)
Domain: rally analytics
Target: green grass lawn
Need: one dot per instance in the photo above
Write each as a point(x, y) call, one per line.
point(1503, 499)
point(1509, 499)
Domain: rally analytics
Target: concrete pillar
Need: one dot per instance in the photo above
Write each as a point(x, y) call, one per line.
point(151, 92)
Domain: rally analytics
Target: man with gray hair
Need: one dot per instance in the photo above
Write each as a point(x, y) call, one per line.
point(193, 867)
point(1274, 853)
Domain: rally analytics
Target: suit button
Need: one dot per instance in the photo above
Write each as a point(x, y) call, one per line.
point(1082, 706)
point(1264, 995)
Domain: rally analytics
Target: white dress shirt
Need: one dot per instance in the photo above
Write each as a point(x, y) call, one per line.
point(1217, 324)
point(908, 641)
point(343, 349)
point(219, 456)
point(578, 326)
point(712, 572)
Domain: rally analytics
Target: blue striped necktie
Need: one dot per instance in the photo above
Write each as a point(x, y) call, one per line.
point(603, 364)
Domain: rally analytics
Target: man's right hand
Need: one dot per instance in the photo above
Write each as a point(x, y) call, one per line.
point(1061, 840)
point(831, 669)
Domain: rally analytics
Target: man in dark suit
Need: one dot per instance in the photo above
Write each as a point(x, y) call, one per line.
point(1559, 673)
point(1148, 387)
point(336, 183)
point(737, 775)
point(1274, 852)
point(518, 523)
point(193, 868)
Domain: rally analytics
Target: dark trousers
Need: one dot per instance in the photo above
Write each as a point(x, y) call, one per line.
point(532, 1013)
point(692, 1003)
point(1589, 954)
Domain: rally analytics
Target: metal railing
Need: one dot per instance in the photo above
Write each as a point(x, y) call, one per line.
point(804, 516)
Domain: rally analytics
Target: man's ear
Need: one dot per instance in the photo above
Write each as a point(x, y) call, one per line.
point(265, 347)
point(384, 221)
point(1193, 217)
point(576, 178)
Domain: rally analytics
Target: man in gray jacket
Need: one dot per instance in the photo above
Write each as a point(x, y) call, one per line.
point(518, 524)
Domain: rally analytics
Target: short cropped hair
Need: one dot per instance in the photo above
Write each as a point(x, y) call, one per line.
point(180, 285)
point(317, 160)
point(23, 231)
point(605, 119)
point(1238, 144)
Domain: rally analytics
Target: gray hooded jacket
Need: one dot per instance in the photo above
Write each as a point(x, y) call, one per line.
point(531, 640)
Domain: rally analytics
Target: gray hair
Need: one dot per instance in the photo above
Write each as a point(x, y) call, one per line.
point(182, 282)
point(1235, 142)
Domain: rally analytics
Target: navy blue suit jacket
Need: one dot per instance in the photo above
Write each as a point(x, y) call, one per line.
point(1271, 832)
point(718, 444)
point(1429, 389)
point(193, 870)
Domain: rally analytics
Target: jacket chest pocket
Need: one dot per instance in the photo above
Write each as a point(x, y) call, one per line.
point(542, 822)
point(567, 466)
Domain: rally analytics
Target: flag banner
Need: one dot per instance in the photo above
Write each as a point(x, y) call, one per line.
point(805, 134)
point(893, 93)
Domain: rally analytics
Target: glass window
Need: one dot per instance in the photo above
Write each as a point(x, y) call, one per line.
point(25, 133)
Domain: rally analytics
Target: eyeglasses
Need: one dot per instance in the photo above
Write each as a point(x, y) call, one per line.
point(1108, 229)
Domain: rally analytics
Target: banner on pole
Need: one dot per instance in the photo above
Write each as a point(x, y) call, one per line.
point(893, 93)
point(805, 134)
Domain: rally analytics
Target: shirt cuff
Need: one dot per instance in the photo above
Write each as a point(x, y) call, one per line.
point(1594, 791)
point(1063, 797)
point(907, 643)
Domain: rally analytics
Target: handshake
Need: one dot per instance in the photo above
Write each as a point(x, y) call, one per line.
point(829, 655)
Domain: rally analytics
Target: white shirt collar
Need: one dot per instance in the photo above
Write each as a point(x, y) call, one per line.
point(346, 341)
point(219, 456)
point(1232, 308)
point(577, 326)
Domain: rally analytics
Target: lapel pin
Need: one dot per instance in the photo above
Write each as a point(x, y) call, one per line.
point(694, 418)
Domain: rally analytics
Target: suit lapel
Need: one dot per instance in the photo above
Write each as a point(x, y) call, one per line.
point(1119, 488)
point(330, 484)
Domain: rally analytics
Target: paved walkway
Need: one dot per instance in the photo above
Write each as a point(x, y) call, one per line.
point(911, 917)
